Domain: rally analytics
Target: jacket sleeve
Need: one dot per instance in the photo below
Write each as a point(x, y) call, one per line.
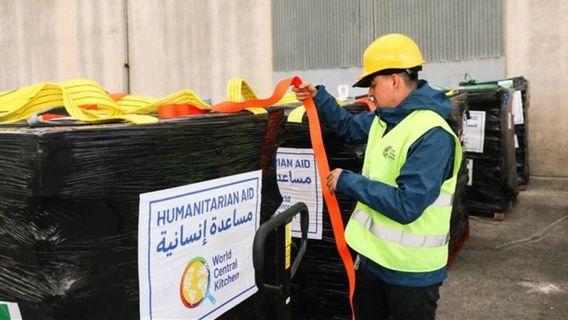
point(429, 163)
point(351, 128)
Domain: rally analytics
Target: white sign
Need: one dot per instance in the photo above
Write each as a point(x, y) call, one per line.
point(474, 132)
point(505, 83)
point(195, 247)
point(298, 180)
point(518, 108)
point(342, 91)
point(469, 171)
point(9, 311)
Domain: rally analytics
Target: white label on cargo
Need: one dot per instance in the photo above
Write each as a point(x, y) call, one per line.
point(195, 247)
point(9, 311)
point(469, 171)
point(506, 83)
point(342, 91)
point(474, 132)
point(298, 180)
point(516, 142)
point(509, 120)
point(518, 108)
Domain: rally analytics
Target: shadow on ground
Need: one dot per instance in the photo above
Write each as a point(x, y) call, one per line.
point(517, 268)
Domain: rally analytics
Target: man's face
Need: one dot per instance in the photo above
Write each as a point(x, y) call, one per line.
point(382, 90)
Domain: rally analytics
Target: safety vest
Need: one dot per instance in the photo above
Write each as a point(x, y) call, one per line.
point(420, 246)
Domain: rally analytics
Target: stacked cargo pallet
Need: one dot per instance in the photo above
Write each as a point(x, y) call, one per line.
point(520, 105)
point(490, 154)
point(459, 223)
point(521, 86)
point(69, 204)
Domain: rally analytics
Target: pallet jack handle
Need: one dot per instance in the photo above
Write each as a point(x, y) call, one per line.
point(269, 226)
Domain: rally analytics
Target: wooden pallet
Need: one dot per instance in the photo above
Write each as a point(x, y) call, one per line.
point(500, 216)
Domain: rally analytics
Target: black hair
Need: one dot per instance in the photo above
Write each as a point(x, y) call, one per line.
point(412, 74)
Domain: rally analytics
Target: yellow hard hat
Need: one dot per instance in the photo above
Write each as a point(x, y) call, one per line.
point(391, 51)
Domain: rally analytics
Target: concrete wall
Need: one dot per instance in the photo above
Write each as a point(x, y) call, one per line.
point(169, 45)
point(447, 74)
point(55, 40)
point(537, 47)
point(199, 45)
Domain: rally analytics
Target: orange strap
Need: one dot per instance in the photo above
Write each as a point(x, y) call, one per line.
point(321, 160)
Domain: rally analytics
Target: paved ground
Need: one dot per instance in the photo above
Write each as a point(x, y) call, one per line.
point(517, 268)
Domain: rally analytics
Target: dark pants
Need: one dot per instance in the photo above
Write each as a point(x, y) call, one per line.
point(375, 299)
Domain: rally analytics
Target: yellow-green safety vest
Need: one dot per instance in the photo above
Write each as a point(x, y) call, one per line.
point(420, 246)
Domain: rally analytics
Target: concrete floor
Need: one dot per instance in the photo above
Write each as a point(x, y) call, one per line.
point(517, 268)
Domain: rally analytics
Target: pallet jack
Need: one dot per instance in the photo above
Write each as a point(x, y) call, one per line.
point(274, 298)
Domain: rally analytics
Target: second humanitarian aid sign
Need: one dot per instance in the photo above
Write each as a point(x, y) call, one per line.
point(195, 247)
point(298, 181)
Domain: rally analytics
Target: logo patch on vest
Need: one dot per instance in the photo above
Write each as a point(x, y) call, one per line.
point(389, 153)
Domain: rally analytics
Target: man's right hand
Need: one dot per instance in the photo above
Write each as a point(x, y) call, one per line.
point(305, 90)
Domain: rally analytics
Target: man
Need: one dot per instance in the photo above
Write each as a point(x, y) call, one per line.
point(400, 227)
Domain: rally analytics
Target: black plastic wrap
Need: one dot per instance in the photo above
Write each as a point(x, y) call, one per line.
point(493, 172)
point(320, 289)
point(521, 130)
point(69, 203)
point(460, 218)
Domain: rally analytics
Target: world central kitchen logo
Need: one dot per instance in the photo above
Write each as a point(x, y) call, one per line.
point(196, 279)
point(389, 153)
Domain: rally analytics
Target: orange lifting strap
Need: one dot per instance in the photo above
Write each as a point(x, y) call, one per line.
point(321, 160)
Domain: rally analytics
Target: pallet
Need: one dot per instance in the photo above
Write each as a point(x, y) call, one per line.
point(457, 248)
point(500, 216)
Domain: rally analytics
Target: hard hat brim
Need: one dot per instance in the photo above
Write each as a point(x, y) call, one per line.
point(365, 80)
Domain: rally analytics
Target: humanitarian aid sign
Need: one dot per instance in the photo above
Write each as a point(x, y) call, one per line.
point(298, 181)
point(195, 247)
point(9, 311)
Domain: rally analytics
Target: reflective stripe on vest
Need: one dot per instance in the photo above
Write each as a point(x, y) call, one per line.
point(444, 200)
point(399, 236)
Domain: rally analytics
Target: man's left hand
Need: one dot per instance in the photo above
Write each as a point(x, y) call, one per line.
point(332, 179)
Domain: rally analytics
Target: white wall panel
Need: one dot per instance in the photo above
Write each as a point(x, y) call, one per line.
point(199, 45)
point(55, 40)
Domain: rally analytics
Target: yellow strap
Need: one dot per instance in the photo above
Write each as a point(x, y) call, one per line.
point(142, 105)
point(297, 114)
point(288, 98)
point(240, 90)
point(20, 104)
point(451, 93)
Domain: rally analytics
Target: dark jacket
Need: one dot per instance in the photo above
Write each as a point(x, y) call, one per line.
point(429, 162)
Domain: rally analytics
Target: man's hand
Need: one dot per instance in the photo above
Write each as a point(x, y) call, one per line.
point(332, 179)
point(305, 90)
